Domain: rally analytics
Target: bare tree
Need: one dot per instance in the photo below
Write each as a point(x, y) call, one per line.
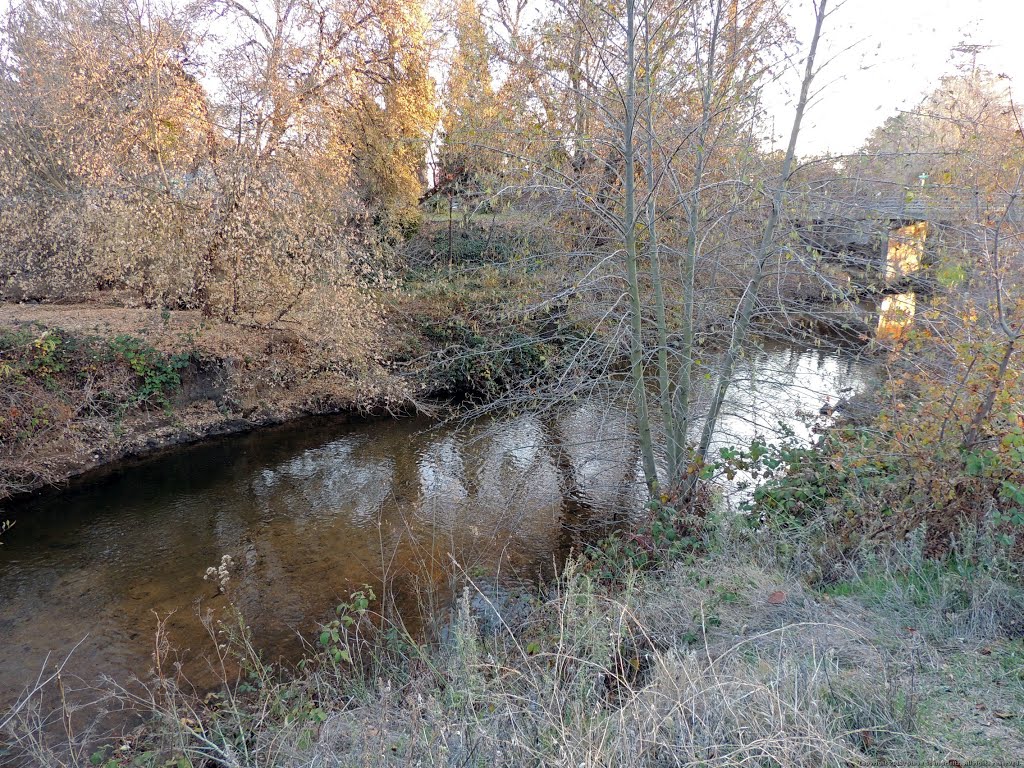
point(667, 134)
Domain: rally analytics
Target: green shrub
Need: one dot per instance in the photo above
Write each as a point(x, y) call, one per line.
point(667, 535)
point(485, 363)
point(157, 374)
point(50, 378)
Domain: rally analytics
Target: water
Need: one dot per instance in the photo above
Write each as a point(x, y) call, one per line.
point(313, 510)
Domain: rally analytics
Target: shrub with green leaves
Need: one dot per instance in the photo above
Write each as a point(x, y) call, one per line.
point(157, 374)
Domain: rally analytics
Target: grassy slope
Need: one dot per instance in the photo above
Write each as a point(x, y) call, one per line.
point(729, 659)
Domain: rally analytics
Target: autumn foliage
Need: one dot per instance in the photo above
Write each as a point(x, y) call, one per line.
point(217, 157)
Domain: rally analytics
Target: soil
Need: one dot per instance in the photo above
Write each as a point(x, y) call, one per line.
point(238, 379)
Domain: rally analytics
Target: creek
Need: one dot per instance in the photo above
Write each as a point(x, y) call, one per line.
point(313, 510)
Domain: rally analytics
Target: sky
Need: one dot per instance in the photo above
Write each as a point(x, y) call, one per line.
point(885, 55)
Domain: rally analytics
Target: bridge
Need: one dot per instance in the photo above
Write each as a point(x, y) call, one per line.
point(871, 235)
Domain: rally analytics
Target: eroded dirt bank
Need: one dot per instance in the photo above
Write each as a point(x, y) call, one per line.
point(84, 385)
point(91, 383)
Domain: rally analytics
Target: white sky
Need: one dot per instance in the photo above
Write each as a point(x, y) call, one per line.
point(886, 55)
point(901, 49)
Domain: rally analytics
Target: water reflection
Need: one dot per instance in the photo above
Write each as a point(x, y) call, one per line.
point(895, 315)
point(312, 511)
point(788, 392)
point(788, 387)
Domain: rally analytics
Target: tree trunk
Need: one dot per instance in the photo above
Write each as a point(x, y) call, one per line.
point(636, 355)
point(748, 300)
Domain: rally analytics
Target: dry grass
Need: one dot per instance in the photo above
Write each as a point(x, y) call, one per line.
point(722, 662)
point(718, 663)
point(650, 676)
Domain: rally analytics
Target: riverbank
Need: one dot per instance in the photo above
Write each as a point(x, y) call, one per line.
point(726, 658)
point(86, 385)
point(311, 510)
